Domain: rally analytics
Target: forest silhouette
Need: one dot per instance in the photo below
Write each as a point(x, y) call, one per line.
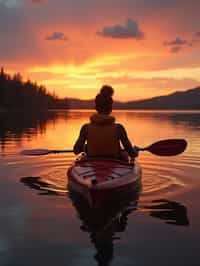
point(15, 94)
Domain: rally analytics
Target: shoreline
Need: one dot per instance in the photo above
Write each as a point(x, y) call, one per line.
point(91, 109)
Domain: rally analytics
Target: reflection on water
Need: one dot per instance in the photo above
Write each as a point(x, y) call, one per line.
point(187, 118)
point(171, 212)
point(104, 223)
point(18, 125)
point(43, 186)
point(166, 210)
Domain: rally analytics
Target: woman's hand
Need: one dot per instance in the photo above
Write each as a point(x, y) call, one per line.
point(135, 151)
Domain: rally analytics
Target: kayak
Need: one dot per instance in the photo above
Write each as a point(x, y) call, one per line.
point(102, 180)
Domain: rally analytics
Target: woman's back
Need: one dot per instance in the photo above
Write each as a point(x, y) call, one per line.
point(103, 139)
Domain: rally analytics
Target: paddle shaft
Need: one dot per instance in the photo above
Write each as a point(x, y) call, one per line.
point(60, 151)
point(169, 147)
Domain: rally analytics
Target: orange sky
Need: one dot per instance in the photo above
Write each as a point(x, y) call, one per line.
point(141, 48)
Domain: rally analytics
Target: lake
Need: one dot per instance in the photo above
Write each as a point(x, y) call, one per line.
point(42, 224)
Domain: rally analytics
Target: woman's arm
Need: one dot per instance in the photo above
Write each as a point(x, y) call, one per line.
point(79, 145)
point(126, 142)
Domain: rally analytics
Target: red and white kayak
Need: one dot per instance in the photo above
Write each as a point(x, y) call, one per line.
point(100, 180)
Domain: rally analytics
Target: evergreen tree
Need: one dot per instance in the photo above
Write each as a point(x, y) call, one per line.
point(17, 94)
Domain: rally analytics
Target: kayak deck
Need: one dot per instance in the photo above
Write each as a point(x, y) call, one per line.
point(99, 179)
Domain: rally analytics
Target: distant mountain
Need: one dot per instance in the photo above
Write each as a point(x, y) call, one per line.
point(189, 99)
point(80, 104)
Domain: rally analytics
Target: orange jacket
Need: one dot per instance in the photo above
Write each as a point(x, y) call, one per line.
point(103, 137)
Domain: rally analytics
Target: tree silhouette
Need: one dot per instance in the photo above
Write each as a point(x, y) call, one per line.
point(15, 94)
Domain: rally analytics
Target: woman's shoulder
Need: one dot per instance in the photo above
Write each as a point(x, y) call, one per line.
point(120, 126)
point(85, 126)
point(121, 130)
point(84, 129)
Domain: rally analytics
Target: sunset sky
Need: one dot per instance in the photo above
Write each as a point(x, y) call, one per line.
point(143, 48)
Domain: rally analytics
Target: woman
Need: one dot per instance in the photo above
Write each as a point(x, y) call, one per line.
point(102, 134)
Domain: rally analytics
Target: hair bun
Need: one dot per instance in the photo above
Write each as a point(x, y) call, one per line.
point(107, 91)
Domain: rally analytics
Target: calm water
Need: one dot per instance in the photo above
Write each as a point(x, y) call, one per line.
point(42, 224)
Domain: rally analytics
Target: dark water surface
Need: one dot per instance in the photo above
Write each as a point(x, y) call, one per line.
point(41, 223)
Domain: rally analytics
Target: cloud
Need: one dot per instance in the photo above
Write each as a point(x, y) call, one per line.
point(39, 2)
point(56, 36)
point(23, 29)
point(127, 31)
point(176, 49)
point(177, 41)
point(178, 44)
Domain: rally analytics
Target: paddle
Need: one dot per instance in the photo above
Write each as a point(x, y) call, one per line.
point(42, 152)
point(169, 147)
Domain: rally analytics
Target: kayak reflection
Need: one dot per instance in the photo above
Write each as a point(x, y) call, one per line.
point(103, 223)
point(171, 212)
